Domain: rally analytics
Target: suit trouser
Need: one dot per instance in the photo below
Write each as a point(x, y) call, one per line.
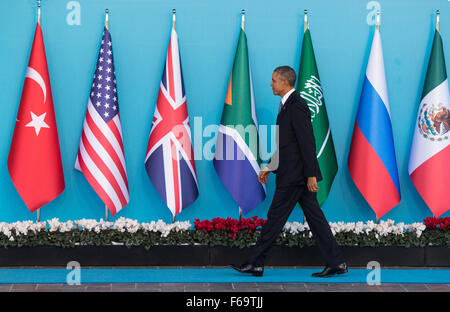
point(284, 201)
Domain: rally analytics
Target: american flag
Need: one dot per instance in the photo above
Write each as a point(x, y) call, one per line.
point(169, 159)
point(100, 155)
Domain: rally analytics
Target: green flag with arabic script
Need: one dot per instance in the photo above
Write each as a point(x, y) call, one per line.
point(309, 88)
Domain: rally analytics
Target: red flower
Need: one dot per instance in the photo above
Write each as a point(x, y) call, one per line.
point(229, 224)
point(437, 223)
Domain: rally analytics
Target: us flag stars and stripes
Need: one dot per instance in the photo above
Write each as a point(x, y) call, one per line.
point(103, 91)
point(101, 155)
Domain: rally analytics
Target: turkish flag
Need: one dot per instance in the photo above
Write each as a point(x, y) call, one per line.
point(34, 160)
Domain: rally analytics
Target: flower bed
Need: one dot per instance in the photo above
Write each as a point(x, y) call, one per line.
point(217, 232)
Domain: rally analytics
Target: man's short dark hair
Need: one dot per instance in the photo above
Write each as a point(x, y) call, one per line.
point(286, 73)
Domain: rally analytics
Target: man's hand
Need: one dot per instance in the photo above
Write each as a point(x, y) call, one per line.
point(312, 184)
point(263, 174)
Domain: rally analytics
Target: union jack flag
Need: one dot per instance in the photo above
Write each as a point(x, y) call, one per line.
point(169, 160)
point(100, 155)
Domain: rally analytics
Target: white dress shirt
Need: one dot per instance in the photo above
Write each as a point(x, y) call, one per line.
point(285, 97)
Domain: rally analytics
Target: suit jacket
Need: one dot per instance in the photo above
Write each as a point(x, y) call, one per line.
point(295, 158)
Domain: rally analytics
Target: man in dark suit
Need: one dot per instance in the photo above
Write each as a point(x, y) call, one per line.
point(297, 173)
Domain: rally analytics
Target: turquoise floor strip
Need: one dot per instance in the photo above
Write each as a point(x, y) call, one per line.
point(50, 276)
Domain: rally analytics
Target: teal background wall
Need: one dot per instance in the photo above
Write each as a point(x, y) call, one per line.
point(208, 32)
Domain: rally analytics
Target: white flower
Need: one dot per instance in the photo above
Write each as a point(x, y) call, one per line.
point(296, 227)
point(87, 224)
point(123, 224)
point(5, 229)
point(165, 229)
point(379, 230)
point(54, 224)
point(23, 227)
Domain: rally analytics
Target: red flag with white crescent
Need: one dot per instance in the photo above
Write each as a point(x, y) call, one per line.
point(34, 160)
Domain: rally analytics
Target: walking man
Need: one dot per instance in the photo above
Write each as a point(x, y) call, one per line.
point(297, 173)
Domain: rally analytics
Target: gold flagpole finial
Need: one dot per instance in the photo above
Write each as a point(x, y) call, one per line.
point(173, 17)
point(437, 20)
point(305, 21)
point(243, 19)
point(378, 20)
point(39, 12)
point(107, 19)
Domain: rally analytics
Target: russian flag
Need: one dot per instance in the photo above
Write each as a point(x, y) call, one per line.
point(372, 162)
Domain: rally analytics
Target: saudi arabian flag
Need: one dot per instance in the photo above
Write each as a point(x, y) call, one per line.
point(236, 157)
point(429, 162)
point(309, 88)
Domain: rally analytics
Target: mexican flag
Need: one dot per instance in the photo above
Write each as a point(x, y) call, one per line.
point(236, 157)
point(309, 88)
point(429, 162)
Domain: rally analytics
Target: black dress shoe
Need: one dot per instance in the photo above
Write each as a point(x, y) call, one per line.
point(248, 268)
point(330, 271)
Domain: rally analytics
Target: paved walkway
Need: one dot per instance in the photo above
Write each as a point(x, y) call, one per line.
point(225, 287)
point(321, 286)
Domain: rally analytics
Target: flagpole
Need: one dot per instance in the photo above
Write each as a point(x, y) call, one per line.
point(437, 20)
point(38, 213)
point(174, 18)
point(39, 12)
point(305, 27)
point(107, 27)
point(377, 26)
point(305, 21)
point(174, 24)
point(243, 28)
point(378, 20)
point(106, 19)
